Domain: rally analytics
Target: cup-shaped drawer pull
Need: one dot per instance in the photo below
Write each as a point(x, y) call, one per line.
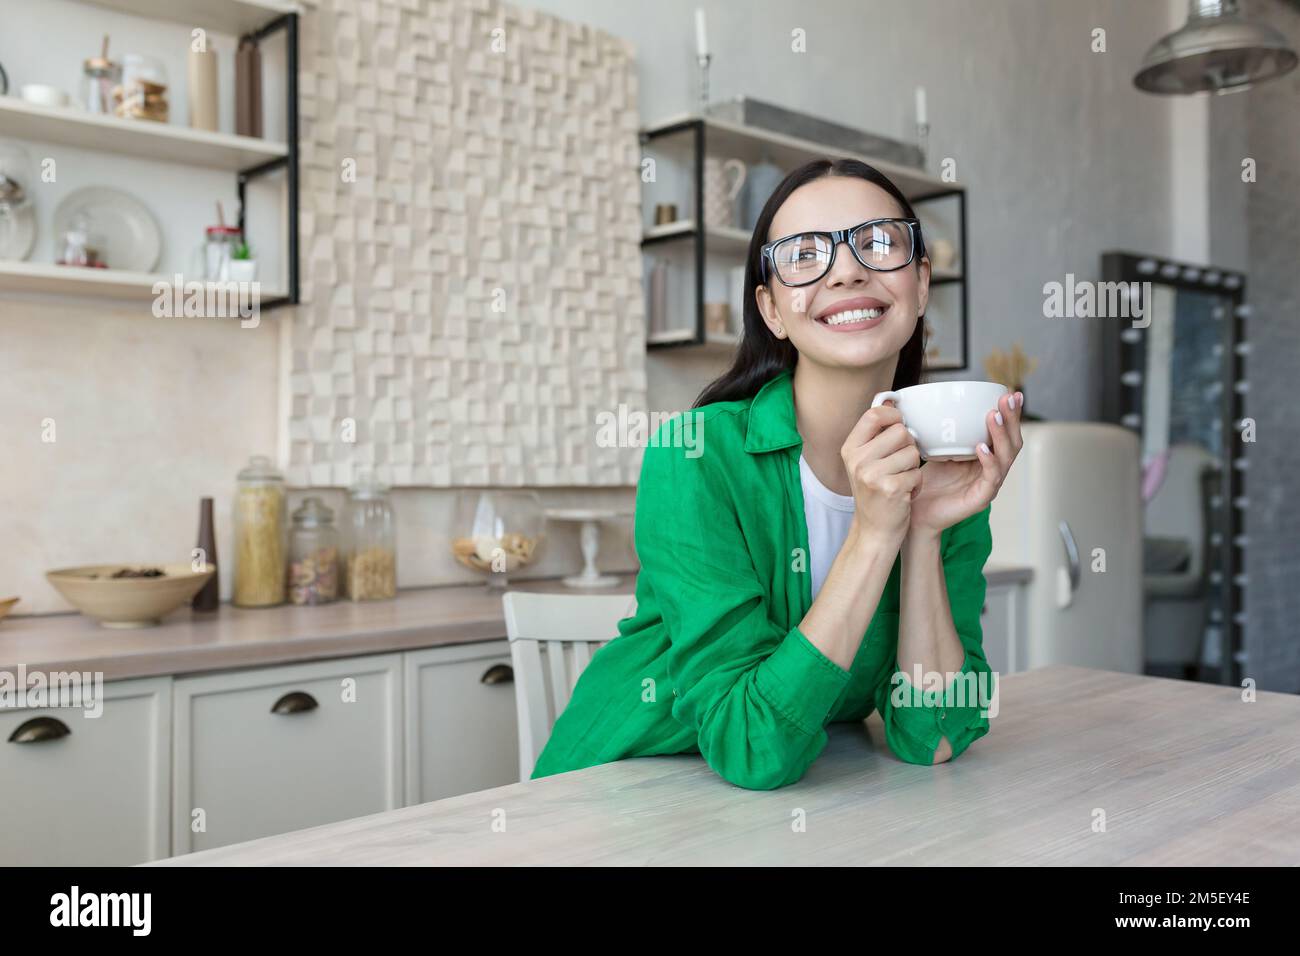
point(38, 730)
point(295, 702)
point(498, 674)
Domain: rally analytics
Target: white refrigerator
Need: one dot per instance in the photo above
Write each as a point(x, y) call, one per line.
point(1071, 509)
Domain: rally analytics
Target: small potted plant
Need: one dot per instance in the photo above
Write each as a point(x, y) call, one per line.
point(243, 267)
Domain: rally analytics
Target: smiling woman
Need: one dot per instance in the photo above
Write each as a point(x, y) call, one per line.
point(797, 572)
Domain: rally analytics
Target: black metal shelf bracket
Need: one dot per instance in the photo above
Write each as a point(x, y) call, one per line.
point(289, 24)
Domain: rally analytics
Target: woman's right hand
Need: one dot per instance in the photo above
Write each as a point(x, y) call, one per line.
point(883, 464)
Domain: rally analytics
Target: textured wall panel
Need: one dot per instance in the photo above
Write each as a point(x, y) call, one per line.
point(472, 296)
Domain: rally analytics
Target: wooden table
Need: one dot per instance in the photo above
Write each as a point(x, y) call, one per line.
point(1185, 774)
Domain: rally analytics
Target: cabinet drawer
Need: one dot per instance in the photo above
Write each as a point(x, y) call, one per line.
point(97, 795)
point(282, 748)
point(461, 733)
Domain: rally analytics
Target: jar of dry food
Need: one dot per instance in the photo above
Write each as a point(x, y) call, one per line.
point(143, 91)
point(260, 535)
point(313, 555)
point(369, 542)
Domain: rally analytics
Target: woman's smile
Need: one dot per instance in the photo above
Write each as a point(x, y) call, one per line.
point(852, 315)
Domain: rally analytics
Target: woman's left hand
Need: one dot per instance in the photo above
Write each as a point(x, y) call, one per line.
point(952, 491)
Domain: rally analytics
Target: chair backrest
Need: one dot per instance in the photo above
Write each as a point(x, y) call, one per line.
point(568, 629)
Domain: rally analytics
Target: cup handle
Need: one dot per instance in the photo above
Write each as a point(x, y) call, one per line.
point(883, 397)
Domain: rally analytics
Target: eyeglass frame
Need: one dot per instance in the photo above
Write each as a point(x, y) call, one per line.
point(837, 236)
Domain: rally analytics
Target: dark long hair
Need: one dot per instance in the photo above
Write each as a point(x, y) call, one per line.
point(761, 355)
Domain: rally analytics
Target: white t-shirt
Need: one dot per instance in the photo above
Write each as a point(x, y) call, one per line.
point(829, 516)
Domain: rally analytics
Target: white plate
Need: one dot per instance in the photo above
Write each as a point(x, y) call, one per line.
point(17, 241)
point(122, 230)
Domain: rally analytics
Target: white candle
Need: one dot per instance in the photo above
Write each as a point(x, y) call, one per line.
point(701, 41)
point(920, 106)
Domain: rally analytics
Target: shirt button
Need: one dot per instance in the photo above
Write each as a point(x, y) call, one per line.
point(943, 714)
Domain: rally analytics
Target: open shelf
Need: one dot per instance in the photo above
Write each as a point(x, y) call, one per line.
point(71, 126)
point(727, 138)
point(78, 282)
point(716, 238)
point(222, 16)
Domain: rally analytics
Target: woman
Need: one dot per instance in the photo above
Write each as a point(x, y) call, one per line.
point(800, 565)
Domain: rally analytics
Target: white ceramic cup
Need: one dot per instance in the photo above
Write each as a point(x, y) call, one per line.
point(947, 419)
point(43, 95)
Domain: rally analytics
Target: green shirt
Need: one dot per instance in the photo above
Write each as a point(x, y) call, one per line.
point(713, 661)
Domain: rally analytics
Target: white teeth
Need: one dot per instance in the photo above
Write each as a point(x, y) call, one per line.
point(855, 315)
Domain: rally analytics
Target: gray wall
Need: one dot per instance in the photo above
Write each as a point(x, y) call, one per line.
point(1272, 218)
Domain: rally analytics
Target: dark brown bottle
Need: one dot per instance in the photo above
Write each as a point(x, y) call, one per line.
point(209, 597)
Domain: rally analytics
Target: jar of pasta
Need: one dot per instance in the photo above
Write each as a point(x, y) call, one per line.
point(313, 555)
point(369, 542)
point(260, 535)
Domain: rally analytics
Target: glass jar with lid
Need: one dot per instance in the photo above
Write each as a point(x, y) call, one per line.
point(143, 92)
point(100, 76)
point(369, 542)
point(260, 535)
point(313, 555)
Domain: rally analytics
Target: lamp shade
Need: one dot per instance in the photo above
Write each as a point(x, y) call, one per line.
point(1216, 51)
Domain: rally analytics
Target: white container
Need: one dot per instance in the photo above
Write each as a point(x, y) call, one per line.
point(43, 95)
point(242, 270)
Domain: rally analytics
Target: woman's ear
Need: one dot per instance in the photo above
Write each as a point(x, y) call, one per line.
point(768, 310)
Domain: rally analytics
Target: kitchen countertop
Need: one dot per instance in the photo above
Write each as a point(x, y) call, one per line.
point(188, 642)
point(1186, 773)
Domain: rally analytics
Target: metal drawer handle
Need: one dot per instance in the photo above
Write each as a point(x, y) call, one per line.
point(498, 674)
point(38, 730)
point(295, 702)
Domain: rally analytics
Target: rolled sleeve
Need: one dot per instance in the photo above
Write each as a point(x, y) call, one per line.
point(917, 718)
point(801, 683)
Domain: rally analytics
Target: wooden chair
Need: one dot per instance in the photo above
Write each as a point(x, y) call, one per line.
point(569, 628)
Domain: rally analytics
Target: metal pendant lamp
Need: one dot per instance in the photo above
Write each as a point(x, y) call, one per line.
point(1216, 51)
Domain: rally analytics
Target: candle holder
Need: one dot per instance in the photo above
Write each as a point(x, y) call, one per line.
point(704, 59)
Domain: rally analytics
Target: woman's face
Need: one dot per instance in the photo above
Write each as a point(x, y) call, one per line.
point(801, 313)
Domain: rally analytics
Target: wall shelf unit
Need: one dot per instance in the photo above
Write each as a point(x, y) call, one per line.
point(69, 126)
point(42, 278)
point(690, 138)
point(249, 158)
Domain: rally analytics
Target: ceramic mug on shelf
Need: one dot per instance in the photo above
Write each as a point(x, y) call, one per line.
point(947, 419)
point(723, 179)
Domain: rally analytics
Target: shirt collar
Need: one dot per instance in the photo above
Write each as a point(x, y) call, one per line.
point(772, 423)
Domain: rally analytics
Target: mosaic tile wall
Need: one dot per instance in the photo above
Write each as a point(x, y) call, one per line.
point(470, 228)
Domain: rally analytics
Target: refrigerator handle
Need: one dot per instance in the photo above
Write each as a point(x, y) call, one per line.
point(1067, 585)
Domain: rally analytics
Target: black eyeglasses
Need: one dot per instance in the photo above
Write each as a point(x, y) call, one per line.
point(882, 245)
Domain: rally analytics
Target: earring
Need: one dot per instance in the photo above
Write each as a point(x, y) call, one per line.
point(780, 331)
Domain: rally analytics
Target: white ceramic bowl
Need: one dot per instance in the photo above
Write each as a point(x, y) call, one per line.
point(43, 95)
point(128, 602)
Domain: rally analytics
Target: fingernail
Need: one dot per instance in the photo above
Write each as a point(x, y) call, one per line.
point(1011, 402)
point(997, 416)
point(984, 448)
